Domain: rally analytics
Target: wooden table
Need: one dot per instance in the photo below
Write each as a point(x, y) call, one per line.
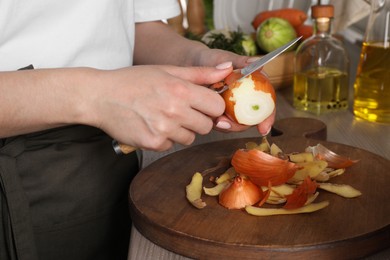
point(342, 127)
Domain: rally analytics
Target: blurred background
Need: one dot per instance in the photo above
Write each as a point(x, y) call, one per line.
point(350, 16)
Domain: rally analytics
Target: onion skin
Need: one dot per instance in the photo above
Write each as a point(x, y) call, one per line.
point(300, 194)
point(250, 100)
point(240, 193)
point(263, 168)
point(333, 159)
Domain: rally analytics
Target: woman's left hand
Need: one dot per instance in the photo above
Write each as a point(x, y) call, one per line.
point(224, 124)
point(210, 56)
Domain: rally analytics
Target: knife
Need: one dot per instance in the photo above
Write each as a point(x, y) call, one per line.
point(246, 71)
point(125, 149)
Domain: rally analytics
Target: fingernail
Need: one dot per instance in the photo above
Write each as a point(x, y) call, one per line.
point(224, 65)
point(268, 131)
point(223, 125)
point(252, 59)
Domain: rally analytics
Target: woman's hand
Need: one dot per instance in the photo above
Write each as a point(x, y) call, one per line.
point(224, 124)
point(152, 37)
point(152, 107)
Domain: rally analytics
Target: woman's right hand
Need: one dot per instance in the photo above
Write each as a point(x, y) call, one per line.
point(152, 107)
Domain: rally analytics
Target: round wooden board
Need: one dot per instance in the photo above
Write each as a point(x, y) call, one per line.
point(347, 228)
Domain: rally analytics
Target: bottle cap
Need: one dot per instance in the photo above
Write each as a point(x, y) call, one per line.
point(318, 11)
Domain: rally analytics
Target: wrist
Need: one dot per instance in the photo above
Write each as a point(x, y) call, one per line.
point(84, 85)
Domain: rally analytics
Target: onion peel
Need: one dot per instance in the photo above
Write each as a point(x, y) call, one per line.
point(262, 168)
point(342, 190)
point(266, 195)
point(334, 160)
point(256, 211)
point(194, 191)
point(300, 194)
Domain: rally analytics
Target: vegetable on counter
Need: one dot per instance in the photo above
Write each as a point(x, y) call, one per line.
point(234, 41)
point(273, 33)
point(199, 14)
point(304, 30)
point(294, 16)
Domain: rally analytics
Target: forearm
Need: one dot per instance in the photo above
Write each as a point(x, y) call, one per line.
point(156, 43)
point(41, 99)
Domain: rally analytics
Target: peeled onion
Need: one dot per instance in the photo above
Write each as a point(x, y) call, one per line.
point(241, 192)
point(250, 100)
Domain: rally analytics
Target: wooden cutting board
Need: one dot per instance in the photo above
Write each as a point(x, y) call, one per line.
point(347, 228)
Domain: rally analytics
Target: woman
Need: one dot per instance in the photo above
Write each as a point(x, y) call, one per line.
point(74, 75)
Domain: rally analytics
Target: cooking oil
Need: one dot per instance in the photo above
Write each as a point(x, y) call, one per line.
point(321, 78)
point(372, 85)
point(321, 90)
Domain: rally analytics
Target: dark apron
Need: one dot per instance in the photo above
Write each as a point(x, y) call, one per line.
point(64, 196)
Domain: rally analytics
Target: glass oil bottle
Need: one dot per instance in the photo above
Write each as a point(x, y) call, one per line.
point(321, 79)
point(372, 84)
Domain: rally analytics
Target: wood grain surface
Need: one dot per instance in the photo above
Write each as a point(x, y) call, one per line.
point(347, 228)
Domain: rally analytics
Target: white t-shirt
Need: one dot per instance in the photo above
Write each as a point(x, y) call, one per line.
point(74, 33)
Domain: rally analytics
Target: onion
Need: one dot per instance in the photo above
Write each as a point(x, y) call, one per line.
point(240, 193)
point(262, 168)
point(249, 100)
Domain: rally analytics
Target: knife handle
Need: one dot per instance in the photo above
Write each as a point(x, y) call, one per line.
point(122, 148)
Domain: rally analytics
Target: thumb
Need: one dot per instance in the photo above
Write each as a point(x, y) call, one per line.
point(202, 75)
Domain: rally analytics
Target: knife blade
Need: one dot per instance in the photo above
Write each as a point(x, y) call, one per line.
point(267, 58)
